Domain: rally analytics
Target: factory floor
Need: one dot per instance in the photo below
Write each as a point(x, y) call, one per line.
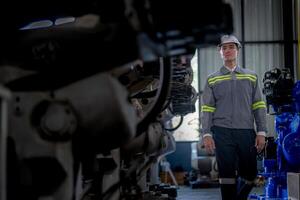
point(187, 193)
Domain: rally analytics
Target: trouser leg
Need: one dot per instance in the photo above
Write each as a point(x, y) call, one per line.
point(247, 167)
point(226, 159)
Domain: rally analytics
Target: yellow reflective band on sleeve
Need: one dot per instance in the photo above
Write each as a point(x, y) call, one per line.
point(206, 108)
point(218, 78)
point(258, 104)
point(246, 76)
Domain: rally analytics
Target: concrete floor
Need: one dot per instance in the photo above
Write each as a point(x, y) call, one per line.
point(187, 193)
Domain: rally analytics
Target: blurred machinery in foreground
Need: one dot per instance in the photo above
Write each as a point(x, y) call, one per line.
point(92, 87)
point(282, 153)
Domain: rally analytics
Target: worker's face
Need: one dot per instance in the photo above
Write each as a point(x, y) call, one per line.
point(229, 51)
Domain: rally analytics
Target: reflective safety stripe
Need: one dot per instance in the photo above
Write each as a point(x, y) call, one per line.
point(248, 76)
point(258, 104)
point(227, 181)
point(218, 79)
point(206, 108)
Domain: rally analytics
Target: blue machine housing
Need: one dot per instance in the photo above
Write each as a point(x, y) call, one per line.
point(284, 98)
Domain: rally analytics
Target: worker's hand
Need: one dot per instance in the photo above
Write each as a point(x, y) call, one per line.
point(209, 144)
point(260, 142)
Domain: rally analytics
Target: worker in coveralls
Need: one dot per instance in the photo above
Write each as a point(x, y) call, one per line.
point(231, 103)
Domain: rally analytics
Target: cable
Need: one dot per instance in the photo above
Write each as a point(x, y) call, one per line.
point(178, 125)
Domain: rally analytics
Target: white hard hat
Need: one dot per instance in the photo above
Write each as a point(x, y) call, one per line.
point(229, 39)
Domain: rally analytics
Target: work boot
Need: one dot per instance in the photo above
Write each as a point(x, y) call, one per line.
point(244, 191)
point(228, 191)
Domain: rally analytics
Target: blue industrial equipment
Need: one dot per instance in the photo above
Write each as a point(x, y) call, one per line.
point(284, 97)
